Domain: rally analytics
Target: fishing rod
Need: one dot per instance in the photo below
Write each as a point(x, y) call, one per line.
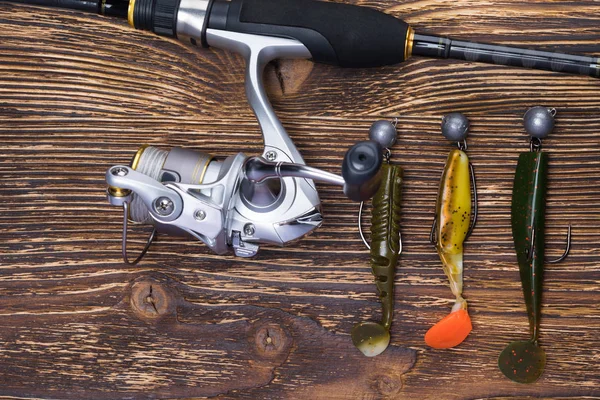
point(241, 202)
point(332, 33)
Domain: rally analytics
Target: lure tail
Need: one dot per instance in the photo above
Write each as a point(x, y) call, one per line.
point(453, 329)
point(453, 217)
point(453, 268)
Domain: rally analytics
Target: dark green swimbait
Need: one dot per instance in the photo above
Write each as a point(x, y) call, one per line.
point(372, 338)
point(524, 361)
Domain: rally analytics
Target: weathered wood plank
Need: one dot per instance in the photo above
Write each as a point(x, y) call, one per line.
point(68, 112)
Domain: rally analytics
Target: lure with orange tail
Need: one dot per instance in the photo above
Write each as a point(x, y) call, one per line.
point(452, 225)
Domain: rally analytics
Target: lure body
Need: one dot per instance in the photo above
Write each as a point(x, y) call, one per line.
point(524, 361)
point(385, 238)
point(528, 213)
point(370, 337)
point(453, 218)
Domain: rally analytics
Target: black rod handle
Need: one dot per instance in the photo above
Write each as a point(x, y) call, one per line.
point(334, 33)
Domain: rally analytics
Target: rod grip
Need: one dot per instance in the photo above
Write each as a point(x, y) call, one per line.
point(334, 33)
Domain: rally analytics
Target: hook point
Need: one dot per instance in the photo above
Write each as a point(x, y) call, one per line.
point(567, 250)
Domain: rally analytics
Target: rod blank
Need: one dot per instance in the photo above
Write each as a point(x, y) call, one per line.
point(440, 47)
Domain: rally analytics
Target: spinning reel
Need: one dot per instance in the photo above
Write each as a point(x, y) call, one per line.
point(241, 202)
point(235, 204)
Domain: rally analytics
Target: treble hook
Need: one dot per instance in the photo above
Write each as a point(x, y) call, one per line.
point(559, 259)
point(124, 241)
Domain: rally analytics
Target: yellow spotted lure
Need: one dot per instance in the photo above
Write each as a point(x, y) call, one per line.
point(455, 217)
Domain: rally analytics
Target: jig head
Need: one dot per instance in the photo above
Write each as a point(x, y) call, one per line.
point(372, 338)
point(523, 361)
point(452, 224)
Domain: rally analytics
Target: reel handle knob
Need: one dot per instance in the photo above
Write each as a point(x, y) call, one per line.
point(361, 170)
point(360, 178)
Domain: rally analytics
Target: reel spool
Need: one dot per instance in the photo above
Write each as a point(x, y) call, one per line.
point(176, 165)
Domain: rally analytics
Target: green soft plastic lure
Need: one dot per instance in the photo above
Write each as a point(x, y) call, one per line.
point(524, 361)
point(372, 338)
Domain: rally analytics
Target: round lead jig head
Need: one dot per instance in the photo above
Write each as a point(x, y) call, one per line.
point(384, 132)
point(539, 121)
point(455, 127)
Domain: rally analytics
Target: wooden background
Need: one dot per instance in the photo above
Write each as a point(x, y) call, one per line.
point(80, 93)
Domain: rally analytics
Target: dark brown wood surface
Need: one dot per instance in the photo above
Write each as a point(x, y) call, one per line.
point(80, 93)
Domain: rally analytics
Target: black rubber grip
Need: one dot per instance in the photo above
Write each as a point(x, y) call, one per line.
point(334, 33)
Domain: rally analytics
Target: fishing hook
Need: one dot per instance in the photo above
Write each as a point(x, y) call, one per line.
point(151, 238)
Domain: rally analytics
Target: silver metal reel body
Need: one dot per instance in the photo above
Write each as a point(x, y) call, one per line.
point(226, 211)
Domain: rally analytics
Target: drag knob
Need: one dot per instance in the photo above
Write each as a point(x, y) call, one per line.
point(361, 170)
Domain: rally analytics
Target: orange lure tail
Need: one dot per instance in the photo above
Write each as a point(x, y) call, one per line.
point(450, 331)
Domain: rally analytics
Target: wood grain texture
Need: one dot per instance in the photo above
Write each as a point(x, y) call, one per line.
point(69, 324)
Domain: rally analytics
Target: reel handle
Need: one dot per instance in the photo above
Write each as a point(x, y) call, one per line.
point(360, 178)
point(361, 170)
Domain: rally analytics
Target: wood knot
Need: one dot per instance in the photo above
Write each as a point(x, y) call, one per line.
point(271, 340)
point(388, 385)
point(286, 76)
point(151, 300)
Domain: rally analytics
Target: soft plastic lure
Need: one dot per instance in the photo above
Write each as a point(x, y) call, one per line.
point(452, 225)
point(372, 338)
point(523, 361)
